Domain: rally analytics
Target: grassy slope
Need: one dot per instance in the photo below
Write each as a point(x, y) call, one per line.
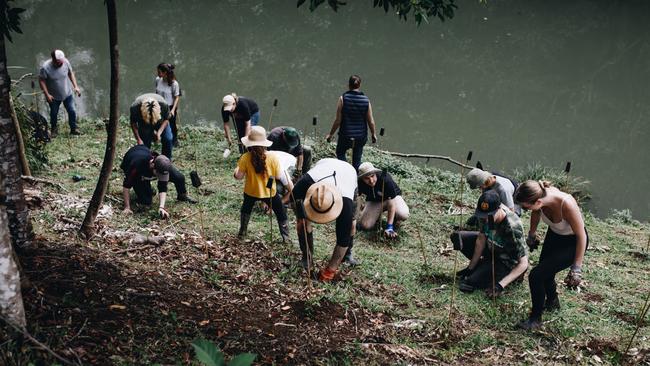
point(392, 280)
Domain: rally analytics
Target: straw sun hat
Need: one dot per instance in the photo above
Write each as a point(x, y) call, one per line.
point(323, 203)
point(257, 137)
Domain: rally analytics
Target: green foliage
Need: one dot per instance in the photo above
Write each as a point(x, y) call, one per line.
point(577, 186)
point(208, 354)
point(35, 149)
point(422, 9)
point(9, 19)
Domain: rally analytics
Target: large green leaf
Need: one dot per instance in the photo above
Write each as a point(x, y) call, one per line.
point(244, 359)
point(208, 353)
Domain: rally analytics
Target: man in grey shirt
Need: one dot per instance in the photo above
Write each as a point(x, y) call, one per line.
point(484, 180)
point(53, 79)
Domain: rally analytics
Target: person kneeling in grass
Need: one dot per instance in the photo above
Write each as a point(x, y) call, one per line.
point(382, 194)
point(500, 234)
point(140, 166)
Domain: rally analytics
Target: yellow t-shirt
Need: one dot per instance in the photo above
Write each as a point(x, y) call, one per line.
point(255, 184)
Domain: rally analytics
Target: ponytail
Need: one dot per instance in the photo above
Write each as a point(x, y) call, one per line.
point(258, 158)
point(531, 190)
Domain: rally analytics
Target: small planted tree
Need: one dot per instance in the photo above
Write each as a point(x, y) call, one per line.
point(208, 354)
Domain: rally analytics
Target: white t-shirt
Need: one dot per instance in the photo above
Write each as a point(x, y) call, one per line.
point(336, 172)
point(166, 91)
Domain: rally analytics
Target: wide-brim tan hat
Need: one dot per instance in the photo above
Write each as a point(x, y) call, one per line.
point(366, 169)
point(323, 203)
point(257, 137)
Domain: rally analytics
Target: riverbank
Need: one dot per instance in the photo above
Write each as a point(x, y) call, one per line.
point(120, 299)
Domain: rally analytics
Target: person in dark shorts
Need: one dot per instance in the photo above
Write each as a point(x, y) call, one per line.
point(140, 167)
point(500, 240)
point(327, 192)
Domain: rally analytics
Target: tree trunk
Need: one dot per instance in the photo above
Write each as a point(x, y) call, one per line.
point(88, 226)
point(10, 168)
point(11, 300)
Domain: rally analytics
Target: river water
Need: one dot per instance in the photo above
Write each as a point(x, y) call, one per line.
point(517, 82)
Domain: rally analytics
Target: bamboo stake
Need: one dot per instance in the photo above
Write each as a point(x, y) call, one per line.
point(490, 227)
point(461, 185)
point(269, 185)
point(424, 256)
point(642, 314)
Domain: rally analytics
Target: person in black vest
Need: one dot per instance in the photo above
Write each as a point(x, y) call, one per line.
point(354, 116)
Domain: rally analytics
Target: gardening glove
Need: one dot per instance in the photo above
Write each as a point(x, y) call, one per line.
point(574, 277)
point(494, 292)
point(390, 231)
point(464, 272)
point(163, 213)
point(532, 241)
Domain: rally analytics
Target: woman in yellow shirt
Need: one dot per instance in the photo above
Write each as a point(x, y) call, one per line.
point(257, 167)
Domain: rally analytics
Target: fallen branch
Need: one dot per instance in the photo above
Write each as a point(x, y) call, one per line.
point(426, 156)
point(33, 180)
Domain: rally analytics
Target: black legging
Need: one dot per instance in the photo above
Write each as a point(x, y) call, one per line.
point(276, 203)
point(558, 253)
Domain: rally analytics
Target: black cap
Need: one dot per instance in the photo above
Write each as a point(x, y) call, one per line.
point(488, 204)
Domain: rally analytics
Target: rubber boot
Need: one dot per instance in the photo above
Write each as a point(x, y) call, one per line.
point(349, 257)
point(304, 262)
point(183, 197)
point(284, 231)
point(243, 224)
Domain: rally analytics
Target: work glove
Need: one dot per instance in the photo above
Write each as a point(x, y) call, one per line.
point(464, 272)
point(494, 292)
point(532, 241)
point(574, 277)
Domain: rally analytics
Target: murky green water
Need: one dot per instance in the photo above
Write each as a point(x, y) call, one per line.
point(514, 81)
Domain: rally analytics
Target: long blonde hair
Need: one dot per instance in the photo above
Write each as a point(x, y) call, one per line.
point(150, 111)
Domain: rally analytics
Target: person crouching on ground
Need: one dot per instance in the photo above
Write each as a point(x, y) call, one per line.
point(287, 139)
point(327, 192)
point(500, 233)
point(149, 115)
point(504, 186)
point(382, 194)
point(257, 167)
point(565, 244)
point(140, 167)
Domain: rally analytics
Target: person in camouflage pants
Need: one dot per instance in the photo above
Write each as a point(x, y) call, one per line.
point(500, 233)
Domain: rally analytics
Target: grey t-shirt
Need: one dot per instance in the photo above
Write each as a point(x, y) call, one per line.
point(56, 79)
point(506, 190)
point(166, 91)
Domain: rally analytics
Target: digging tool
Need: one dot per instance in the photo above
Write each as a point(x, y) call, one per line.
point(269, 186)
point(275, 104)
point(300, 215)
point(461, 186)
point(487, 237)
point(239, 143)
point(639, 321)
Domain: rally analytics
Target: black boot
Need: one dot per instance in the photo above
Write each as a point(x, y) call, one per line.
point(552, 303)
point(243, 225)
point(183, 197)
point(284, 231)
point(306, 261)
point(349, 258)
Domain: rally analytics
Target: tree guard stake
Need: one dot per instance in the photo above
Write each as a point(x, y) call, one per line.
point(269, 185)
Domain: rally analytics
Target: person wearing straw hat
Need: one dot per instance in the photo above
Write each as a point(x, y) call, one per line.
point(257, 167)
point(382, 194)
point(244, 112)
point(327, 192)
point(505, 239)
